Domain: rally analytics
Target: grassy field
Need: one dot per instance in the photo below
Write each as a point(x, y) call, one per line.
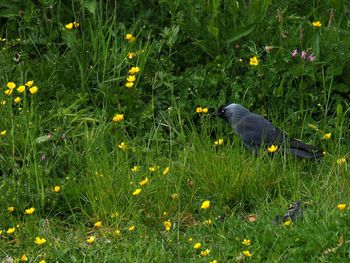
point(108, 150)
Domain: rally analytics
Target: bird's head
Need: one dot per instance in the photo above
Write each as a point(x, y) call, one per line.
point(231, 112)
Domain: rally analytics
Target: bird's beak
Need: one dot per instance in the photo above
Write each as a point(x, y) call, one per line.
point(214, 114)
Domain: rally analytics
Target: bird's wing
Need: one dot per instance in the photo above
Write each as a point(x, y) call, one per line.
point(256, 130)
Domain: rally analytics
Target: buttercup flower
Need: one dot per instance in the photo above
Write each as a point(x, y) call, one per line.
point(8, 92)
point(76, 24)
point(317, 24)
point(247, 253)
point(327, 136)
point(131, 78)
point(3, 133)
point(3, 102)
point(219, 142)
point(29, 83)
point(144, 182)
point(166, 170)
point(205, 204)
point(197, 245)
point(17, 100)
point(131, 55)
point(205, 110)
point(254, 61)
point(135, 169)
point(39, 241)
point(341, 207)
point(129, 85)
point(132, 228)
point(29, 211)
point(199, 109)
point(167, 225)
point(11, 85)
point(98, 224)
point(11, 209)
point(287, 223)
point(341, 161)
point(272, 148)
point(246, 242)
point(21, 89)
point(152, 169)
point(205, 253)
point(137, 192)
point(118, 117)
point(130, 38)
point(56, 189)
point(208, 222)
point(134, 70)
point(24, 258)
point(11, 230)
point(33, 90)
point(69, 26)
point(42, 261)
point(123, 146)
point(90, 240)
point(213, 261)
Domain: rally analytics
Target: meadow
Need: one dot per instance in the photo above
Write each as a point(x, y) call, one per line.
point(109, 151)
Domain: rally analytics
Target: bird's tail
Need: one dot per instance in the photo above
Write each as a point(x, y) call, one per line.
point(303, 150)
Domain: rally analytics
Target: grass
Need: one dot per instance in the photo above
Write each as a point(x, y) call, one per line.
point(63, 135)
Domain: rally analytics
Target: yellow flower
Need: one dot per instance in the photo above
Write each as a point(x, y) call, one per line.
point(219, 142)
point(56, 189)
point(29, 83)
point(132, 228)
point(0, 231)
point(11, 85)
point(213, 261)
point(24, 258)
point(17, 100)
point(341, 161)
point(29, 211)
point(327, 136)
point(208, 222)
point(254, 61)
point(33, 90)
point(174, 196)
point(130, 38)
point(123, 146)
point(152, 169)
point(287, 223)
point(247, 253)
point(190, 239)
point(3, 133)
point(197, 245)
point(205, 204)
point(8, 92)
point(272, 148)
point(134, 70)
point(167, 225)
point(131, 78)
point(98, 224)
point(69, 26)
point(118, 117)
point(341, 207)
point(42, 261)
point(166, 170)
point(144, 181)
point(21, 88)
point(199, 110)
point(39, 241)
point(135, 169)
point(129, 85)
point(10, 230)
point(317, 24)
point(131, 55)
point(76, 24)
point(205, 253)
point(137, 191)
point(246, 242)
point(205, 110)
point(117, 232)
point(90, 240)
point(11, 209)
point(3, 102)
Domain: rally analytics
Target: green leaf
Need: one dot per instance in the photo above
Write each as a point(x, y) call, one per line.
point(242, 32)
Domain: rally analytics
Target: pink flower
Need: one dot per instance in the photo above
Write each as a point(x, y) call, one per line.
point(294, 53)
point(303, 54)
point(312, 58)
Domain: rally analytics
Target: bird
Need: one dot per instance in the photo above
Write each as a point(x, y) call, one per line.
point(257, 132)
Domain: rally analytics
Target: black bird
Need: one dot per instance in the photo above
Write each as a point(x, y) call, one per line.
point(257, 132)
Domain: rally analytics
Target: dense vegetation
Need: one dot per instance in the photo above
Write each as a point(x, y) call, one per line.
point(108, 150)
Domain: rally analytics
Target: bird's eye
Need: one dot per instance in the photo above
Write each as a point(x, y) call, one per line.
point(222, 111)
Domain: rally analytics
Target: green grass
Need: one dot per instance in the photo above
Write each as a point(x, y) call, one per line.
point(64, 134)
